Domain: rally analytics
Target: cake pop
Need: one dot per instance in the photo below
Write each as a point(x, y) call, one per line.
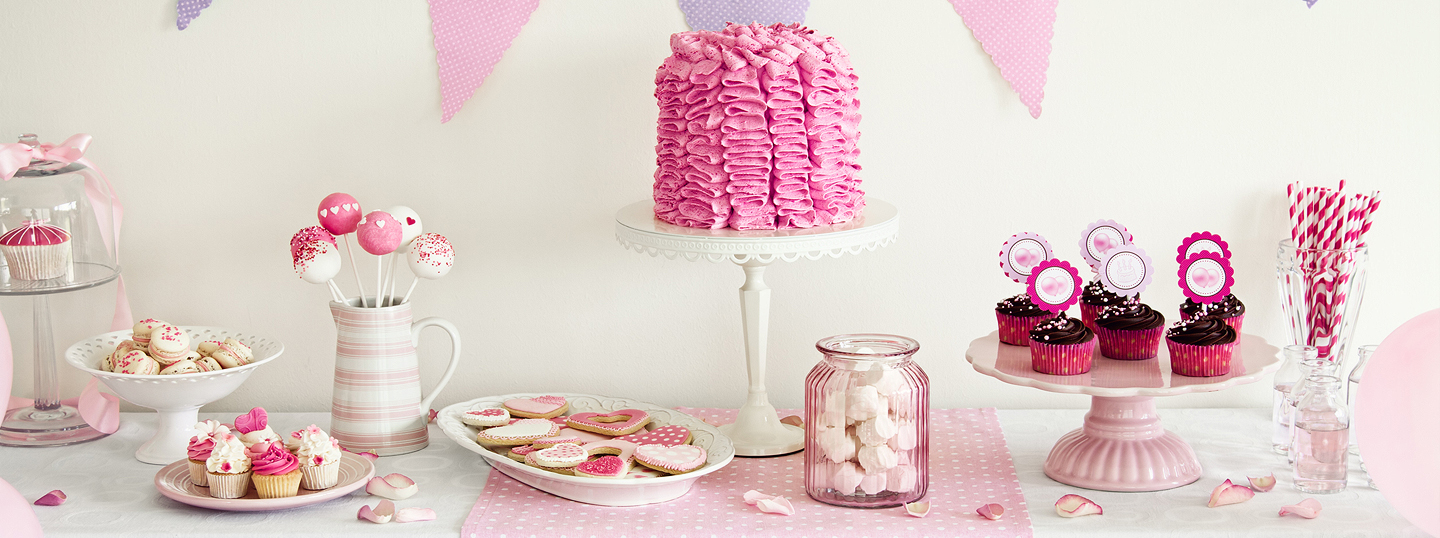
point(379, 234)
point(317, 262)
point(430, 257)
point(313, 233)
point(411, 227)
point(340, 214)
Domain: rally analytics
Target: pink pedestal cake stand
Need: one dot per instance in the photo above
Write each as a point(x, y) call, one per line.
point(757, 431)
point(1122, 446)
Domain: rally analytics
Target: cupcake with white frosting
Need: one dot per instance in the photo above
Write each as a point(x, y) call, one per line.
point(319, 456)
point(228, 468)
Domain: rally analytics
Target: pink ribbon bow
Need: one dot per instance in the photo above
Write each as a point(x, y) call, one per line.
point(101, 411)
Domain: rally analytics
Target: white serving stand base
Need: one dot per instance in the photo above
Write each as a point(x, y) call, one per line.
point(1122, 446)
point(757, 431)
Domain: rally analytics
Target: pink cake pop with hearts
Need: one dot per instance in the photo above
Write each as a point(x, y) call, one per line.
point(430, 257)
point(340, 214)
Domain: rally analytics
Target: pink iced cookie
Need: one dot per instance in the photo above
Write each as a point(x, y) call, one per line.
point(641, 471)
point(582, 435)
point(613, 447)
point(557, 439)
point(523, 432)
point(518, 453)
point(604, 467)
point(664, 435)
point(565, 455)
point(678, 459)
point(339, 213)
point(537, 407)
point(622, 422)
point(379, 233)
point(486, 418)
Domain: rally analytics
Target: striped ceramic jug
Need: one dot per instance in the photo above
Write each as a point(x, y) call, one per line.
point(377, 404)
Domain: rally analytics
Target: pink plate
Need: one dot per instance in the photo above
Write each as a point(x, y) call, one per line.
point(1395, 422)
point(173, 481)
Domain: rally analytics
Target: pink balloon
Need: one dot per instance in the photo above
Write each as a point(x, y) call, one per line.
point(379, 233)
point(339, 213)
point(19, 518)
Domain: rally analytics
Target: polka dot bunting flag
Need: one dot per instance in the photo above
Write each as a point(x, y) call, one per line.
point(713, 14)
point(1016, 34)
point(470, 38)
point(188, 10)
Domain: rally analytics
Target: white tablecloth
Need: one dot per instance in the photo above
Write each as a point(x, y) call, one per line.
point(112, 494)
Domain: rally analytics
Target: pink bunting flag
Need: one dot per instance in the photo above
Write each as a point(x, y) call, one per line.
point(1016, 34)
point(470, 38)
point(713, 14)
point(188, 10)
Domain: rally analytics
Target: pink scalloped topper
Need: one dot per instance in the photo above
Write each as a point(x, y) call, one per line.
point(1202, 241)
point(1126, 270)
point(1021, 253)
point(1206, 277)
point(1054, 285)
point(1101, 236)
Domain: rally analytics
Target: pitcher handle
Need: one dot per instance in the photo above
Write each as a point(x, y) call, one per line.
point(454, 354)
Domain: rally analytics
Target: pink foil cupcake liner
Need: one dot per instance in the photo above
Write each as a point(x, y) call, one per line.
point(1130, 345)
point(1015, 330)
point(1234, 322)
point(1088, 313)
point(1071, 359)
point(1200, 361)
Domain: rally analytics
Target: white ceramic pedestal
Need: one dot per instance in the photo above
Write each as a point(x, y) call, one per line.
point(757, 431)
point(1122, 446)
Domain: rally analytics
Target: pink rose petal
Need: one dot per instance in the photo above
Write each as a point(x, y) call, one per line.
point(918, 509)
point(1228, 493)
point(408, 515)
point(1308, 509)
point(394, 486)
point(991, 511)
point(54, 498)
point(383, 512)
point(1075, 506)
point(777, 505)
point(367, 454)
point(433, 414)
point(754, 496)
point(793, 420)
point(1262, 484)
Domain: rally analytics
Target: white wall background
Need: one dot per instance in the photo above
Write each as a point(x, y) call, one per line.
point(1171, 117)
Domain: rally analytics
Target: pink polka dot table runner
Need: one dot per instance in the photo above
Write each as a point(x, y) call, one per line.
point(969, 467)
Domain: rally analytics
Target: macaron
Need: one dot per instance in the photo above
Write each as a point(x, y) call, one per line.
point(169, 344)
point(208, 364)
point(207, 347)
point(140, 333)
point(182, 366)
point(138, 363)
point(232, 353)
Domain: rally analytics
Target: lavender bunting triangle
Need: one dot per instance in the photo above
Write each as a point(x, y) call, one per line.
point(188, 10)
point(713, 14)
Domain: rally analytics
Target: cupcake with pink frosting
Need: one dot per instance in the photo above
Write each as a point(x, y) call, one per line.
point(200, 448)
point(276, 472)
point(254, 428)
point(319, 456)
point(36, 251)
point(228, 468)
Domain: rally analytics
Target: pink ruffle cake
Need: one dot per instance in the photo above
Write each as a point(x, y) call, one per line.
point(757, 130)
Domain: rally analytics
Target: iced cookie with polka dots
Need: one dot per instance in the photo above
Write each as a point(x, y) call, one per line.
point(486, 418)
point(537, 407)
point(665, 435)
point(678, 459)
point(523, 432)
point(530, 461)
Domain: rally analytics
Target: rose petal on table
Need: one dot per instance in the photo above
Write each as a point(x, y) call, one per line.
point(54, 498)
point(1073, 505)
point(1262, 484)
point(408, 515)
point(918, 509)
point(394, 486)
point(1308, 509)
point(991, 511)
point(383, 512)
point(1229, 493)
point(433, 414)
point(754, 496)
point(369, 455)
point(777, 505)
point(793, 420)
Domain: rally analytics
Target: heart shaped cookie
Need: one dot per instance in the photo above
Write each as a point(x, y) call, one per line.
point(678, 459)
point(603, 467)
point(664, 435)
point(486, 418)
point(614, 447)
point(522, 432)
point(566, 455)
point(537, 407)
point(622, 422)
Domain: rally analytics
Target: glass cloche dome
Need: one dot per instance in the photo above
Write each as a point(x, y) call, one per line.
point(43, 196)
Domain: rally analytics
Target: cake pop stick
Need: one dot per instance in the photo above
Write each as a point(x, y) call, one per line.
point(317, 262)
point(410, 228)
point(379, 234)
point(340, 215)
point(430, 257)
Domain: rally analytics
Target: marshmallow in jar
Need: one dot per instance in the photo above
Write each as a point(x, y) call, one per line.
point(866, 406)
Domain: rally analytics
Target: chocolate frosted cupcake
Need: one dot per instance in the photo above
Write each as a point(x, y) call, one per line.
point(1130, 332)
point(1095, 298)
point(1061, 346)
point(1017, 315)
point(1230, 309)
point(1201, 347)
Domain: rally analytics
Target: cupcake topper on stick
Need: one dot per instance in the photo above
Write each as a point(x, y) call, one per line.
point(340, 214)
point(1021, 253)
point(1054, 285)
point(1126, 270)
point(1206, 277)
point(1101, 236)
point(430, 257)
point(1200, 241)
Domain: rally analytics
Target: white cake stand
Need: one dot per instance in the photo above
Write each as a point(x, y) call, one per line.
point(757, 431)
point(1123, 446)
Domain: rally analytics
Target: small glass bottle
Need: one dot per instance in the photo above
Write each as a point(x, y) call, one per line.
point(1320, 451)
point(1290, 372)
point(1353, 389)
point(1311, 368)
point(867, 405)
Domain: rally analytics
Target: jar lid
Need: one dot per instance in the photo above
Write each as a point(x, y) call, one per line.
point(868, 346)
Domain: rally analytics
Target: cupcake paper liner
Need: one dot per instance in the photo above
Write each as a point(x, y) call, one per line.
point(1200, 361)
point(1070, 359)
point(1234, 323)
point(277, 486)
point(315, 477)
point(229, 486)
point(37, 262)
point(198, 474)
point(1088, 313)
point(1015, 330)
point(1130, 345)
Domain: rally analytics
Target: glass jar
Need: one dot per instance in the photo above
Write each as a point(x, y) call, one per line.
point(1321, 444)
point(1310, 368)
point(1290, 373)
point(867, 405)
